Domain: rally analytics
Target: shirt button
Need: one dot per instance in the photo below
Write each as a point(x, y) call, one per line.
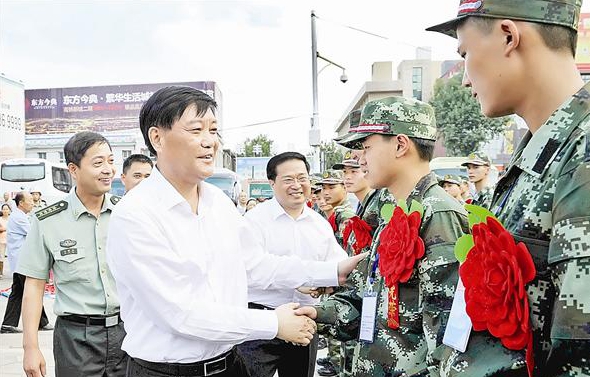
point(103, 271)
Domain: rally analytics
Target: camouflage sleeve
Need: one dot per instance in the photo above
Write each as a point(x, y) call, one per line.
point(569, 257)
point(342, 310)
point(438, 274)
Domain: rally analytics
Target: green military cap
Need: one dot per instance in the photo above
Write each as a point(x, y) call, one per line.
point(478, 158)
point(553, 12)
point(393, 116)
point(332, 177)
point(349, 161)
point(450, 178)
point(354, 119)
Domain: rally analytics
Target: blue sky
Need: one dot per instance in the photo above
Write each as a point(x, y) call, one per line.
point(259, 52)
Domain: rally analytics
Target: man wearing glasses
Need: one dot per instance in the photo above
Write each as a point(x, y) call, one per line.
point(285, 225)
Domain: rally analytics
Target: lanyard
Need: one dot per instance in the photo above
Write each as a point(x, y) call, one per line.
point(371, 277)
point(502, 203)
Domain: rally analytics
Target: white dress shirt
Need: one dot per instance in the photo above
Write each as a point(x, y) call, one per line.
point(308, 237)
point(183, 277)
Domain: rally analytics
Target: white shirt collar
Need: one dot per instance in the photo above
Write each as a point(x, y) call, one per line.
point(277, 210)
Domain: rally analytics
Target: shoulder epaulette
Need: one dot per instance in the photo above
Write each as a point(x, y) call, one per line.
point(51, 210)
point(115, 199)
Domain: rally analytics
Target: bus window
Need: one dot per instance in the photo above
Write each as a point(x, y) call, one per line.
point(61, 179)
point(23, 173)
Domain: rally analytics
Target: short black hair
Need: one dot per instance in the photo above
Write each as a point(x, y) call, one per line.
point(167, 105)
point(424, 147)
point(141, 158)
point(7, 205)
point(555, 37)
point(76, 147)
point(271, 167)
point(19, 197)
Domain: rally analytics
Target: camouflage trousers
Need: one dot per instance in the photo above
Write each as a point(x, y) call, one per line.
point(346, 356)
point(334, 351)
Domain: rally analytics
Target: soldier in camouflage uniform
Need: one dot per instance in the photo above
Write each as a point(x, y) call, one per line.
point(397, 135)
point(334, 193)
point(367, 211)
point(543, 200)
point(478, 168)
point(452, 185)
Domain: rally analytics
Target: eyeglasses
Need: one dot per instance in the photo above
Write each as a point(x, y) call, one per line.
point(290, 181)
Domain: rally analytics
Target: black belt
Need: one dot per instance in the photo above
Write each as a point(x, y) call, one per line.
point(107, 321)
point(253, 305)
point(208, 367)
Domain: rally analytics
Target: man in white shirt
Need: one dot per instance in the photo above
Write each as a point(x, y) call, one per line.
point(183, 257)
point(285, 225)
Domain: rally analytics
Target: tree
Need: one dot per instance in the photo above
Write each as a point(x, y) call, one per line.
point(263, 150)
point(459, 118)
point(330, 154)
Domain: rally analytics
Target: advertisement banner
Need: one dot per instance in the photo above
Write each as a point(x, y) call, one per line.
point(252, 167)
point(92, 108)
point(12, 119)
point(583, 46)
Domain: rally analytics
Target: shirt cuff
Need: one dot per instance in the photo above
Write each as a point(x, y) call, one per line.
point(264, 324)
point(323, 274)
point(35, 274)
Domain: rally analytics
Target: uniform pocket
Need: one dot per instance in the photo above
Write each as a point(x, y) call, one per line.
point(70, 265)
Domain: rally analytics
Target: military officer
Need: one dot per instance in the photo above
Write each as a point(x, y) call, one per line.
point(478, 167)
point(69, 238)
point(519, 58)
point(397, 136)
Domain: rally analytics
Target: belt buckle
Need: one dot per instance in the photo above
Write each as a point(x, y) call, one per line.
point(214, 370)
point(111, 321)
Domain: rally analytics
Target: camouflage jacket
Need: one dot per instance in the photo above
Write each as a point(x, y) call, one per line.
point(544, 201)
point(368, 211)
point(341, 214)
point(484, 197)
point(424, 301)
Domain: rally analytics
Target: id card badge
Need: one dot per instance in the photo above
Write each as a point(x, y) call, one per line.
point(368, 317)
point(459, 325)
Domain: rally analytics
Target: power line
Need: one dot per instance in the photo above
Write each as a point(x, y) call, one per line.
point(263, 123)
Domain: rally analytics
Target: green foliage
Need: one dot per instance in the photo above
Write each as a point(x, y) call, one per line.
point(459, 118)
point(248, 147)
point(330, 154)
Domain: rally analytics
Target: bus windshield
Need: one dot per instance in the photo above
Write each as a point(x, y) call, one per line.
point(23, 172)
point(226, 184)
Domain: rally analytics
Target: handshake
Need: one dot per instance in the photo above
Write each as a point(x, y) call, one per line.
point(296, 324)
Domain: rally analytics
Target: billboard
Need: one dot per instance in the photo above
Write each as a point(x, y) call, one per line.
point(12, 119)
point(94, 108)
point(583, 46)
point(252, 167)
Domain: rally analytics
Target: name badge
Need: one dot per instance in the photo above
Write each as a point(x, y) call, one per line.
point(459, 325)
point(368, 316)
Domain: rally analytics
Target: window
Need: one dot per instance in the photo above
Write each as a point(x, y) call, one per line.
point(61, 179)
point(42, 155)
point(62, 158)
point(125, 153)
point(23, 172)
point(417, 83)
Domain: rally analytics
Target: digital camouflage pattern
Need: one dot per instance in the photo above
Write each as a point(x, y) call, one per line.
point(484, 197)
point(332, 177)
point(369, 211)
point(354, 119)
point(393, 116)
point(425, 300)
point(478, 158)
point(544, 201)
point(554, 12)
point(451, 178)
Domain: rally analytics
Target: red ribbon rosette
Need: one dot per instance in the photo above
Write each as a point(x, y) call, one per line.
point(400, 246)
point(362, 234)
point(494, 270)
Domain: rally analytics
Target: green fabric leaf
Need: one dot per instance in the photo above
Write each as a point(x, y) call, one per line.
point(387, 211)
point(478, 214)
point(416, 206)
point(463, 246)
point(404, 206)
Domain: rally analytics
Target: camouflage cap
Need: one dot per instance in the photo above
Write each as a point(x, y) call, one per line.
point(332, 177)
point(478, 158)
point(393, 116)
point(349, 161)
point(354, 118)
point(450, 178)
point(555, 12)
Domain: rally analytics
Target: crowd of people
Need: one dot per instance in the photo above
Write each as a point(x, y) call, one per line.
point(174, 280)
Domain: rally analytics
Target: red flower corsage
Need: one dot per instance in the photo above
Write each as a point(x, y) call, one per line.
point(400, 246)
point(494, 270)
point(362, 234)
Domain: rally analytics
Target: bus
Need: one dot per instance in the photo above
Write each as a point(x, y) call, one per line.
point(228, 181)
point(23, 174)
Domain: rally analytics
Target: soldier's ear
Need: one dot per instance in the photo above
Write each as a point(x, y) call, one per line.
point(511, 35)
point(403, 145)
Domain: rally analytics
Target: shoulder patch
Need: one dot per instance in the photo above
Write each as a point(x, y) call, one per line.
point(115, 199)
point(51, 210)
